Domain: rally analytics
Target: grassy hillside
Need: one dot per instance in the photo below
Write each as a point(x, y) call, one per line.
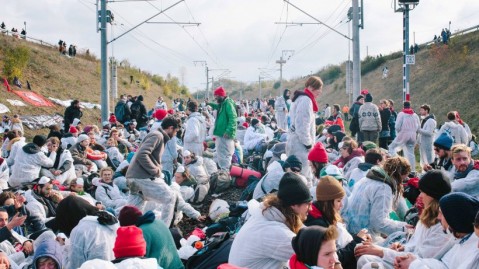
point(55, 75)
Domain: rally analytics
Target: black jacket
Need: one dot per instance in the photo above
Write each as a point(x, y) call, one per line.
point(71, 113)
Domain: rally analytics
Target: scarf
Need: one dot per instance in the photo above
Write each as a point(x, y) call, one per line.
point(458, 175)
point(341, 162)
point(311, 96)
point(294, 263)
point(408, 111)
point(315, 212)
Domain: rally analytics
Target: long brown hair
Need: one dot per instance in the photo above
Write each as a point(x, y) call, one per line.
point(429, 214)
point(396, 167)
point(293, 220)
point(331, 216)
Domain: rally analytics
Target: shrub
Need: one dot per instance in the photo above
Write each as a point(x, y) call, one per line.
point(371, 63)
point(16, 59)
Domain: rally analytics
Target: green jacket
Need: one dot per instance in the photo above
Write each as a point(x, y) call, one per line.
point(226, 118)
point(160, 245)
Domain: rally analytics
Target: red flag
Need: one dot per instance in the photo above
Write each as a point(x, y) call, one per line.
point(5, 82)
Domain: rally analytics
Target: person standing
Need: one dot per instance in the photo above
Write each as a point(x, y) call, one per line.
point(195, 130)
point(144, 174)
point(385, 116)
point(457, 131)
point(72, 112)
point(281, 109)
point(354, 112)
point(225, 128)
point(346, 112)
point(369, 120)
point(407, 125)
point(138, 112)
point(425, 137)
point(302, 132)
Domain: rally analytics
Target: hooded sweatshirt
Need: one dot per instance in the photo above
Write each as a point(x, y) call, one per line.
point(50, 249)
point(28, 164)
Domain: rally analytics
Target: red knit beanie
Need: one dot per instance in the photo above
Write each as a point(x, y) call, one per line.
point(129, 215)
point(220, 92)
point(318, 154)
point(73, 130)
point(160, 114)
point(129, 242)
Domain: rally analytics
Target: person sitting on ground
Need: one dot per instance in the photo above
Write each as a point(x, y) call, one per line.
point(270, 182)
point(63, 169)
point(159, 241)
point(351, 157)
point(186, 182)
point(457, 212)
point(42, 200)
point(465, 173)
point(375, 197)
point(17, 123)
point(318, 160)
point(314, 247)
point(80, 157)
point(325, 211)
point(428, 239)
point(198, 171)
point(123, 145)
point(15, 203)
point(254, 138)
point(372, 158)
point(442, 148)
point(69, 139)
point(92, 232)
point(14, 240)
point(77, 187)
point(114, 156)
point(95, 153)
point(265, 239)
point(15, 144)
point(108, 193)
point(29, 162)
point(48, 255)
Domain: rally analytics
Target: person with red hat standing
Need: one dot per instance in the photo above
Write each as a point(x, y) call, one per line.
point(225, 128)
point(302, 132)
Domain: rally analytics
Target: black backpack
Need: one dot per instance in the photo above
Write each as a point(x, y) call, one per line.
point(215, 252)
point(135, 110)
point(120, 111)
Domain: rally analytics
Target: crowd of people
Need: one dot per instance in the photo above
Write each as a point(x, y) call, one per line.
point(112, 196)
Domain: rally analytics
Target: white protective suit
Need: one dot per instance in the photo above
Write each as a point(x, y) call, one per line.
point(457, 131)
point(425, 140)
point(302, 133)
point(281, 110)
point(269, 181)
point(4, 174)
point(195, 133)
point(252, 138)
point(264, 241)
point(110, 196)
point(458, 257)
point(28, 163)
point(407, 126)
point(90, 240)
point(65, 176)
point(17, 146)
point(198, 170)
point(424, 243)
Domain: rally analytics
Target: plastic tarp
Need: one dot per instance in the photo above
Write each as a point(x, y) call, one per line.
point(33, 98)
point(16, 102)
point(4, 109)
point(41, 121)
point(66, 103)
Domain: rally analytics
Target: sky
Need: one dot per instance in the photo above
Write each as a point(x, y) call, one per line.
point(238, 39)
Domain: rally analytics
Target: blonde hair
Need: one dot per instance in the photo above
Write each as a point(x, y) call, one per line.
point(54, 140)
point(315, 82)
point(429, 214)
point(106, 169)
point(461, 148)
point(385, 102)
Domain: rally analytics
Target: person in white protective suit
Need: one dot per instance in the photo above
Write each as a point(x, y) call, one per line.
point(407, 125)
point(302, 132)
point(281, 108)
point(425, 137)
point(195, 130)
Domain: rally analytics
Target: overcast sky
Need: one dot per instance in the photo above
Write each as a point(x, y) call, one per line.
point(238, 35)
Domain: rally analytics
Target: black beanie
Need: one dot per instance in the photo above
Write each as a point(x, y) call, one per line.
point(307, 243)
point(254, 122)
point(435, 183)
point(292, 190)
point(369, 98)
point(292, 161)
point(460, 210)
point(39, 140)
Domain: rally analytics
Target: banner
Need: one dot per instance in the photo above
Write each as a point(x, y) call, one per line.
point(34, 98)
point(41, 121)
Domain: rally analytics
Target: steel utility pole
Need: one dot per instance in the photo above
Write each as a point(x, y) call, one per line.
point(105, 98)
point(282, 61)
point(356, 52)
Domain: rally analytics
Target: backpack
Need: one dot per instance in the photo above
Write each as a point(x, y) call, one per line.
point(215, 252)
point(220, 181)
point(135, 110)
point(120, 111)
